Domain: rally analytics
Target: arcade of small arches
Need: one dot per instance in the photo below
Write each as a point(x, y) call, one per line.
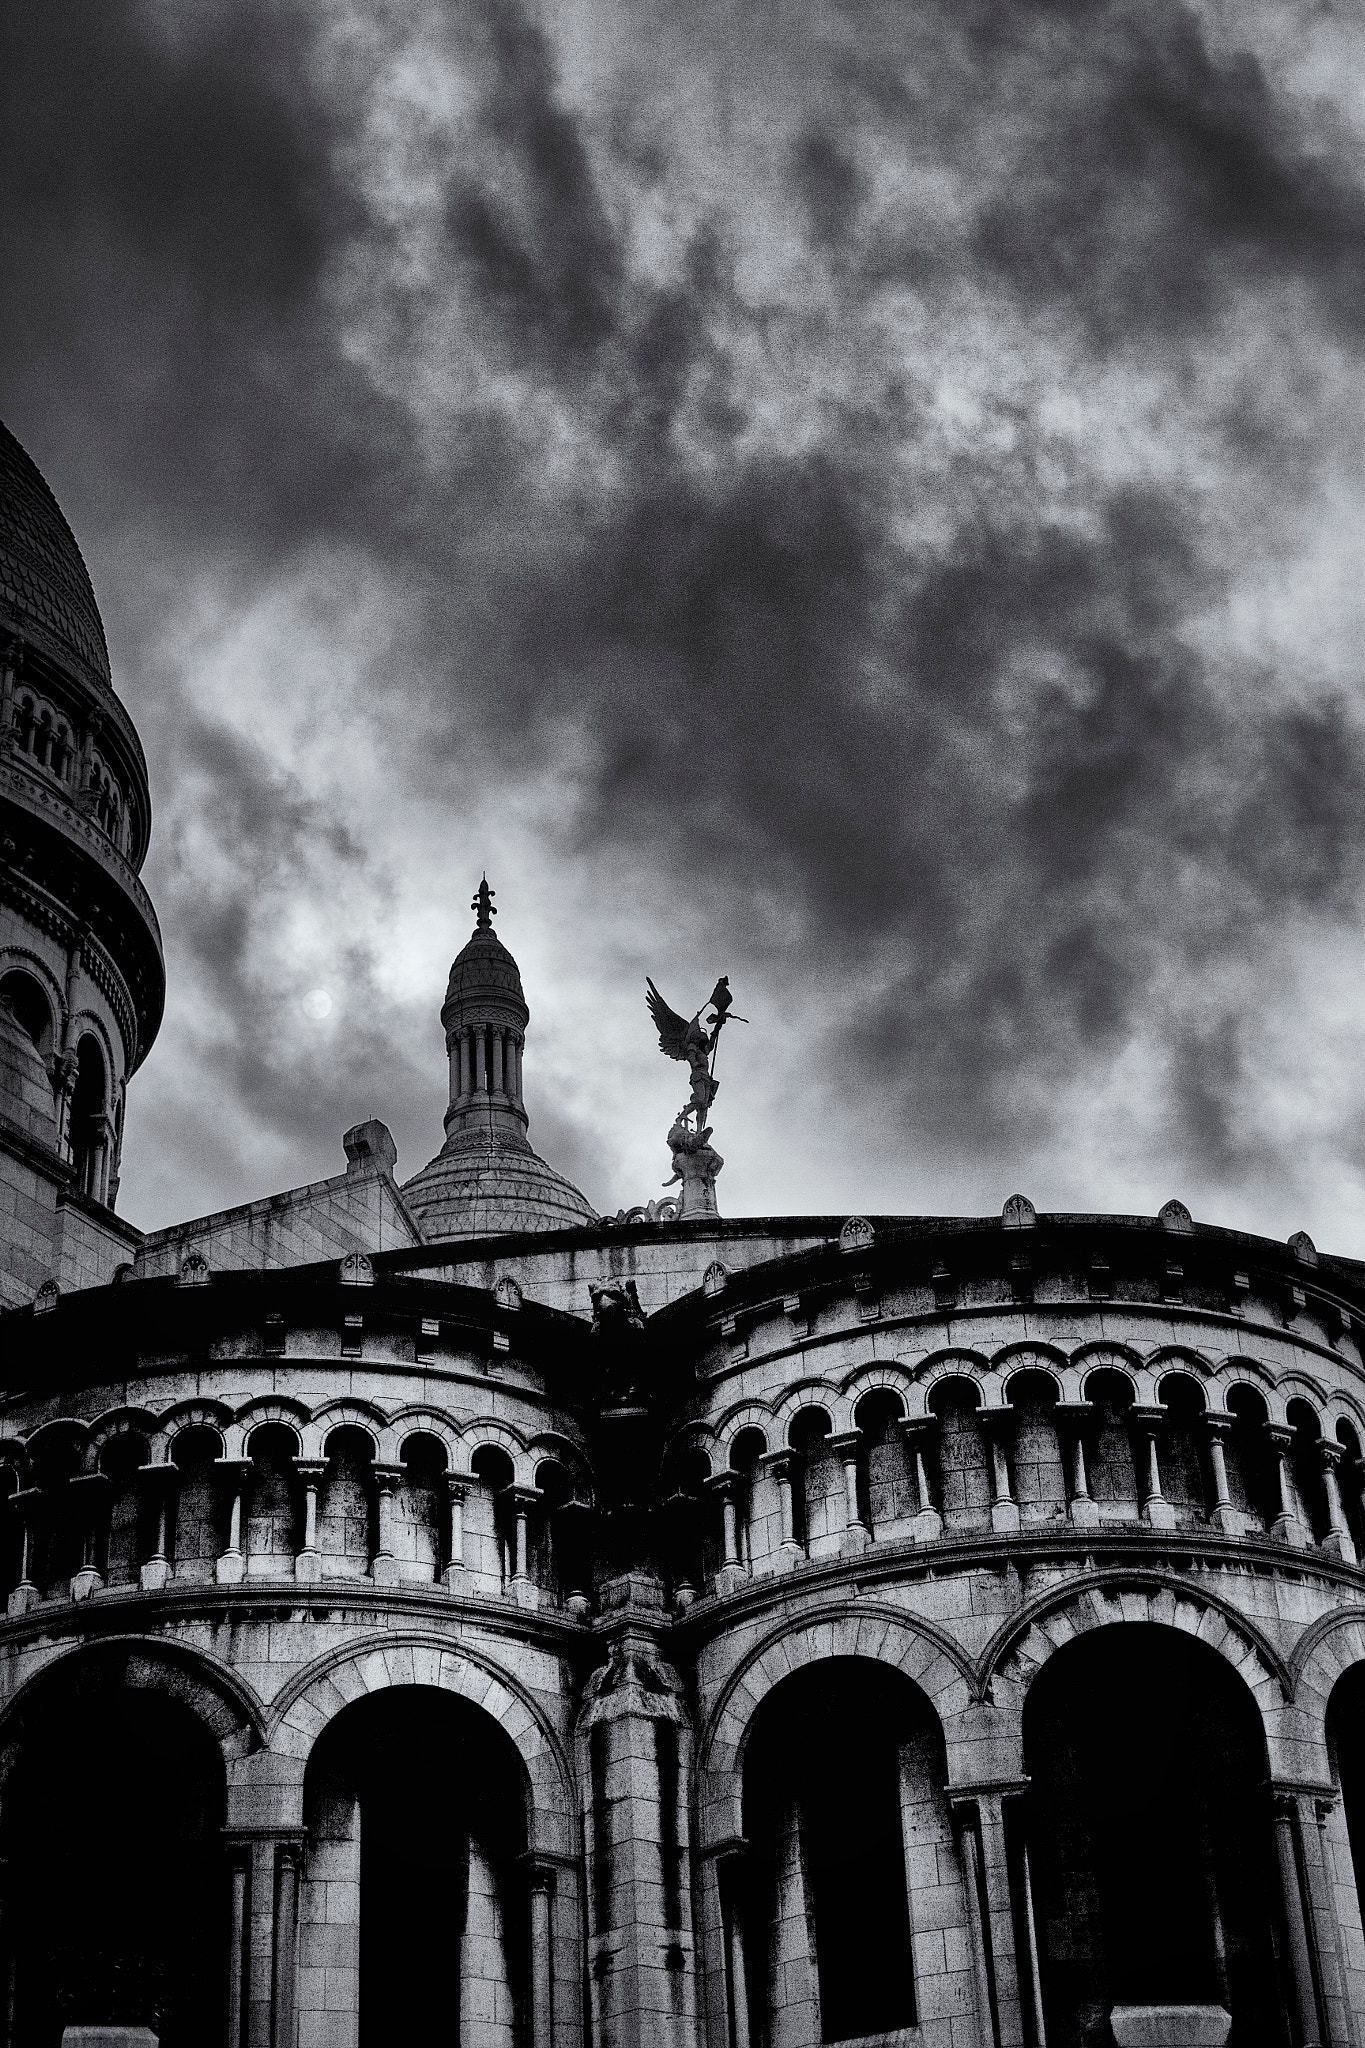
point(44, 737)
point(78, 1057)
point(1035, 1442)
point(205, 1496)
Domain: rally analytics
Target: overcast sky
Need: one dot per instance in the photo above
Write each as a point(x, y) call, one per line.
point(865, 498)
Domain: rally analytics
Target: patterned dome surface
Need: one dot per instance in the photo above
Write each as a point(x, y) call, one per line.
point(43, 578)
point(487, 1189)
point(484, 967)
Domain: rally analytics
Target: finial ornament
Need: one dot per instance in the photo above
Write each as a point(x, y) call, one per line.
point(695, 1162)
point(483, 903)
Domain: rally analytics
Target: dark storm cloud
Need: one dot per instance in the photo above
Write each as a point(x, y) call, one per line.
point(974, 776)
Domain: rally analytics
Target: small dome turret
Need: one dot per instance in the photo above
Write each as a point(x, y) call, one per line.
point(486, 1179)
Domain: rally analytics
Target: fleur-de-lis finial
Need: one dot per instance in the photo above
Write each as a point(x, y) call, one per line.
point(483, 904)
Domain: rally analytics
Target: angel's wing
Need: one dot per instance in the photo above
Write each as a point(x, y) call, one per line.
point(672, 1028)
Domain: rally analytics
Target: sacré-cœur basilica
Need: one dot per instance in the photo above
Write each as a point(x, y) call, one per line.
point(436, 1612)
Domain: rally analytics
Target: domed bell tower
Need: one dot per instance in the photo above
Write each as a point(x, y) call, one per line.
point(485, 1017)
point(82, 983)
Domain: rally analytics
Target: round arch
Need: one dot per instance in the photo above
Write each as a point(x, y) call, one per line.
point(1022, 1645)
point(380, 1662)
point(930, 1659)
point(224, 1702)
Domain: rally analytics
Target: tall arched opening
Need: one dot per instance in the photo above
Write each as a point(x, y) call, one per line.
point(111, 1817)
point(851, 1855)
point(1149, 1837)
point(415, 1901)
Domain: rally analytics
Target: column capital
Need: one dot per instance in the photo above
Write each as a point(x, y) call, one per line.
point(1280, 1435)
point(914, 1425)
point(233, 1468)
point(540, 1872)
point(526, 1497)
point(310, 1468)
point(1072, 1411)
point(164, 1473)
point(1147, 1415)
point(845, 1443)
point(1217, 1421)
point(388, 1478)
point(457, 1486)
point(997, 1417)
point(780, 1464)
point(1330, 1451)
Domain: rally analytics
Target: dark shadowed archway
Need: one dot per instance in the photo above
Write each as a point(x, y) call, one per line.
point(850, 1846)
point(112, 1807)
point(415, 1905)
point(1150, 1840)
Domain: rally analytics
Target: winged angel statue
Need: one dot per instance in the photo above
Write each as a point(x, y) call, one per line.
point(695, 1161)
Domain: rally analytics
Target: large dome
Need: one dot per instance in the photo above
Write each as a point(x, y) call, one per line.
point(45, 589)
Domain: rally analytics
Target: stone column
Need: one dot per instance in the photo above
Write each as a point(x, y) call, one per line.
point(160, 1483)
point(1071, 1419)
point(634, 1759)
point(496, 1083)
point(27, 1504)
point(263, 1902)
point(523, 1587)
point(731, 1877)
point(453, 1570)
point(480, 1070)
point(288, 1863)
point(1222, 1515)
point(239, 1941)
point(308, 1562)
point(91, 1497)
point(1316, 1811)
point(781, 1464)
point(918, 1432)
point(384, 1569)
point(1157, 1511)
point(1337, 1542)
point(846, 1447)
point(980, 1819)
point(1286, 1524)
point(541, 1876)
point(466, 1066)
point(230, 1569)
point(726, 1486)
point(998, 1423)
point(1308, 2032)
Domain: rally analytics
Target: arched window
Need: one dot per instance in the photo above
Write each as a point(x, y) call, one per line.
point(199, 1533)
point(1305, 1465)
point(492, 1525)
point(886, 1486)
point(271, 1508)
point(745, 1452)
point(690, 1556)
point(1039, 1480)
point(1181, 1450)
point(128, 1539)
point(563, 1556)
point(817, 1479)
point(88, 1103)
point(1113, 1480)
point(420, 1510)
point(30, 1006)
point(963, 1458)
point(348, 1509)
point(1252, 1481)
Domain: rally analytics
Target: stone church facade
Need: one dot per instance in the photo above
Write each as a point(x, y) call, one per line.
point(435, 1611)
